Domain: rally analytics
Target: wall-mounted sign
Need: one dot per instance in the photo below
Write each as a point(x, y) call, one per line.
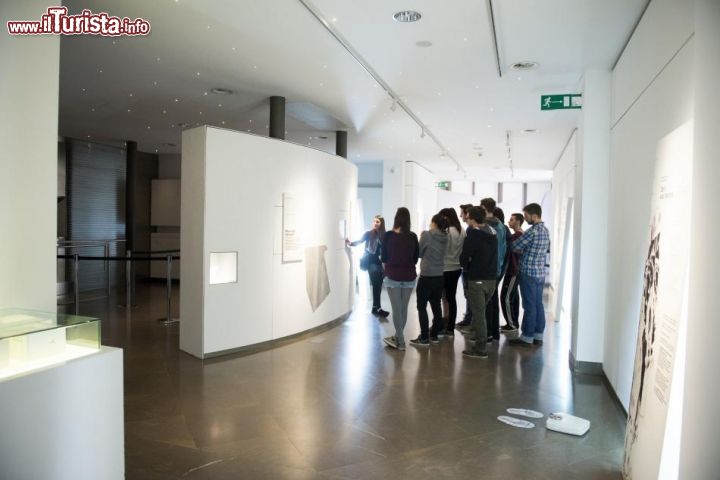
point(445, 185)
point(560, 102)
point(292, 248)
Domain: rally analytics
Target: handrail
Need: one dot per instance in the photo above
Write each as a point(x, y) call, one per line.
point(118, 259)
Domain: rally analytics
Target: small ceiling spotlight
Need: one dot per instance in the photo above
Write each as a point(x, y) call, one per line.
point(221, 91)
point(528, 130)
point(407, 16)
point(422, 133)
point(442, 154)
point(423, 43)
point(393, 107)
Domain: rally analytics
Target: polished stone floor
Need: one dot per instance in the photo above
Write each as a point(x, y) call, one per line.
point(338, 405)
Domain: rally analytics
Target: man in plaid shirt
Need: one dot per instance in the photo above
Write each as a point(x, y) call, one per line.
point(533, 245)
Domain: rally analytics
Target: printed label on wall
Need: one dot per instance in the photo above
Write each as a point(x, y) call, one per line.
point(292, 245)
point(662, 312)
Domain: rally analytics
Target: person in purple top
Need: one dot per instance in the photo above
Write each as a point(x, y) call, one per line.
point(399, 254)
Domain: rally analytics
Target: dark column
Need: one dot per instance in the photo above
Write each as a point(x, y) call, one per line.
point(277, 117)
point(341, 144)
point(131, 155)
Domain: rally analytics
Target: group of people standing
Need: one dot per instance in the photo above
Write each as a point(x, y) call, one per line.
point(483, 255)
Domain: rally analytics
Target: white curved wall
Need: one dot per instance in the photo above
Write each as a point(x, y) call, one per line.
point(232, 193)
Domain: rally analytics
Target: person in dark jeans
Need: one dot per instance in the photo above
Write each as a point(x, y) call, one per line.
point(373, 244)
point(493, 307)
point(433, 244)
point(479, 262)
point(467, 317)
point(509, 296)
point(452, 269)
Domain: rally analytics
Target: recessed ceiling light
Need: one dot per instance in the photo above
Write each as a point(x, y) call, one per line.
point(221, 91)
point(407, 16)
point(524, 65)
point(528, 130)
point(423, 43)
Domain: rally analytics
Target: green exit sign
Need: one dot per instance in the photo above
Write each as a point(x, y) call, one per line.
point(560, 102)
point(443, 185)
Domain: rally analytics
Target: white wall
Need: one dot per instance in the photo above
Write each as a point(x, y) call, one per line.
point(370, 191)
point(453, 199)
point(371, 203)
point(237, 206)
point(652, 96)
point(420, 195)
point(393, 192)
point(590, 218)
point(563, 188)
point(701, 416)
point(65, 422)
point(28, 163)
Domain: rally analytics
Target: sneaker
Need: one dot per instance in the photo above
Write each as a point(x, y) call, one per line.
point(401, 347)
point(382, 313)
point(434, 339)
point(391, 341)
point(466, 330)
point(519, 343)
point(507, 329)
point(538, 342)
point(374, 311)
point(464, 323)
point(474, 354)
point(420, 342)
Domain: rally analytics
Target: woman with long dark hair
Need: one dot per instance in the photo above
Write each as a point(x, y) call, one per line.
point(400, 253)
point(370, 261)
point(452, 269)
point(433, 244)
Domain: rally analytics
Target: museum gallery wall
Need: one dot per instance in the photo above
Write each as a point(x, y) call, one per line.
point(263, 233)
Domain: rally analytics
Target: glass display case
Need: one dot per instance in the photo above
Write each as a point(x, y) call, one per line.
point(32, 339)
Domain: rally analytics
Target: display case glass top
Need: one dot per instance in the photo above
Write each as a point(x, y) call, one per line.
point(31, 339)
point(17, 321)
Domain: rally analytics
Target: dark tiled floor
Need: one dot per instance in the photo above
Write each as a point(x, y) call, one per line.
point(339, 405)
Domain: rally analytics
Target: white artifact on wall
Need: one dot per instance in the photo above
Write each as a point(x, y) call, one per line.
point(662, 315)
point(292, 247)
point(317, 282)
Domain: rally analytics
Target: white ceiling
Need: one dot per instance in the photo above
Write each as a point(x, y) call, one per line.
point(141, 88)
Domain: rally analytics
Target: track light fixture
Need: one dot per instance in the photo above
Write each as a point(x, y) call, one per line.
point(393, 107)
point(422, 133)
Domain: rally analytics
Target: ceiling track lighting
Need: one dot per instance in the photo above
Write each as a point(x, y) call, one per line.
point(393, 107)
point(509, 152)
point(378, 79)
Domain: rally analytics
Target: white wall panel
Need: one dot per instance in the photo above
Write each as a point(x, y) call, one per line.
point(29, 160)
point(245, 178)
point(666, 105)
point(666, 25)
